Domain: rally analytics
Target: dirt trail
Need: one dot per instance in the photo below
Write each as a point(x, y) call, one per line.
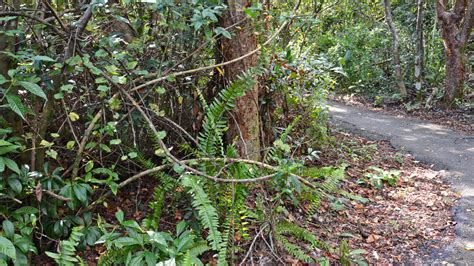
point(446, 149)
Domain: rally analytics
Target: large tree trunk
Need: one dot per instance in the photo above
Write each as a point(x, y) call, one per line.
point(396, 50)
point(244, 125)
point(455, 26)
point(419, 47)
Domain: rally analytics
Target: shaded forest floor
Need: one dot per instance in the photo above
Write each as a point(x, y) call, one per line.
point(460, 119)
point(402, 223)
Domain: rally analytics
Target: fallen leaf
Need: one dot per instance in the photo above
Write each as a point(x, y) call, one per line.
point(372, 238)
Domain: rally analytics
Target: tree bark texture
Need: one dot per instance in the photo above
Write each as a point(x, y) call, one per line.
point(419, 47)
point(244, 124)
point(456, 25)
point(396, 49)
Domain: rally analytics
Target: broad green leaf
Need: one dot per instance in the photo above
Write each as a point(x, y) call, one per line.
point(24, 244)
point(76, 60)
point(131, 64)
point(46, 143)
point(115, 142)
point(160, 90)
point(103, 88)
point(15, 184)
point(157, 237)
point(100, 80)
point(26, 210)
point(58, 96)
point(161, 134)
point(67, 88)
point(8, 228)
point(178, 168)
point(89, 166)
point(125, 241)
point(34, 88)
point(113, 187)
point(132, 224)
point(73, 116)
point(80, 192)
point(70, 144)
point(119, 215)
point(15, 105)
point(43, 58)
point(8, 149)
point(52, 153)
point(105, 147)
point(3, 80)
point(7, 248)
point(12, 165)
point(2, 165)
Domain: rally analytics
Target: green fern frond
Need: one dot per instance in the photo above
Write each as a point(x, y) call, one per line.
point(198, 249)
point(207, 213)
point(202, 99)
point(287, 228)
point(187, 260)
point(214, 125)
point(67, 249)
point(294, 250)
point(166, 184)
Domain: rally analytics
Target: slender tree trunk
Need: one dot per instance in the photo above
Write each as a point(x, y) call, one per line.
point(7, 43)
point(396, 50)
point(419, 48)
point(244, 124)
point(455, 27)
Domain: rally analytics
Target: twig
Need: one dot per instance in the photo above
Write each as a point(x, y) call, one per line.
point(55, 14)
point(253, 243)
point(85, 138)
point(56, 196)
point(42, 21)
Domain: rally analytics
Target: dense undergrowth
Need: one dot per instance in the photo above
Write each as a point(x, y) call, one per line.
point(72, 136)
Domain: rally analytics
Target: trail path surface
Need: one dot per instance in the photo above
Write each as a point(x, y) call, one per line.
point(430, 143)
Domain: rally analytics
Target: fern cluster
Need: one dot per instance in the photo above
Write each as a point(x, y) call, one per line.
point(326, 189)
point(214, 126)
point(166, 183)
point(206, 211)
point(67, 250)
point(284, 229)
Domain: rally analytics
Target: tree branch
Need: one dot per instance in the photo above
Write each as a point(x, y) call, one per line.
point(459, 8)
point(441, 10)
point(84, 140)
point(468, 23)
point(42, 21)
